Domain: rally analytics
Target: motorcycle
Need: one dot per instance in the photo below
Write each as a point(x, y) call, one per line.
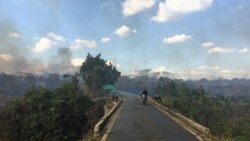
point(144, 99)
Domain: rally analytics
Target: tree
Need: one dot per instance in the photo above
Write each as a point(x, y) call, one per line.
point(96, 72)
point(61, 114)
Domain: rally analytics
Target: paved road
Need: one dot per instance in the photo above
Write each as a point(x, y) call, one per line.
point(137, 122)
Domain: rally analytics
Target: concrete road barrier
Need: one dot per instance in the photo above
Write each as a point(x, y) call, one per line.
point(203, 131)
point(195, 125)
point(99, 126)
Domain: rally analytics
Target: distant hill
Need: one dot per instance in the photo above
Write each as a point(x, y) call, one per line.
point(19, 84)
point(235, 87)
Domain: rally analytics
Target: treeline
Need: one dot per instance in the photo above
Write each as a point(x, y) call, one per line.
point(136, 84)
point(226, 117)
point(235, 87)
point(17, 85)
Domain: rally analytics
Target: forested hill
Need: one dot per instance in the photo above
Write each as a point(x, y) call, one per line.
point(18, 85)
point(234, 87)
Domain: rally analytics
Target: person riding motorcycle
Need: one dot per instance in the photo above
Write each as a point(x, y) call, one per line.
point(144, 96)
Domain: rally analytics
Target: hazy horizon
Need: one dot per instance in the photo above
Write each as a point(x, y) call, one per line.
point(192, 39)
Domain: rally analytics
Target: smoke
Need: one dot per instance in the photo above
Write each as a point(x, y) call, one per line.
point(61, 62)
point(15, 50)
point(16, 57)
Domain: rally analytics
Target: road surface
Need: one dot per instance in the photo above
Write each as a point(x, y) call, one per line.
point(137, 122)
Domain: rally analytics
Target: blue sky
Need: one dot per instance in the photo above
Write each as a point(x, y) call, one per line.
point(191, 38)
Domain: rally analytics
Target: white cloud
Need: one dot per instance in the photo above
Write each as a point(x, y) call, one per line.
point(6, 57)
point(208, 44)
point(113, 63)
point(79, 43)
point(105, 40)
point(131, 7)
point(173, 9)
point(56, 37)
point(243, 50)
point(227, 72)
point(212, 72)
point(109, 62)
point(221, 50)
point(215, 67)
point(118, 65)
point(205, 67)
point(14, 35)
point(43, 44)
point(213, 48)
point(160, 69)
point(196, 72)
point(77, 62)
point(204, 71)
point(125, 31)
point(134, 31)
point(177, 39)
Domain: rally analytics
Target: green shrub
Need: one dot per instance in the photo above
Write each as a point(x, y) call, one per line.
point(60, 114)
point(212, 111)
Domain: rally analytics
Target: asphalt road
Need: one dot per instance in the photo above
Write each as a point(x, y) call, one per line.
point(137, 122)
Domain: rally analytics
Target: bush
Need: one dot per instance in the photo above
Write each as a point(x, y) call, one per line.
point(212, 111)
point(241, 138)
point(60, 114)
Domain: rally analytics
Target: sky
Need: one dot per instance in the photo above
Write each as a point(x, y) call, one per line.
point(191, 38)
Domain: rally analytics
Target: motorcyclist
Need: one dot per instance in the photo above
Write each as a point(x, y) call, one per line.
point(144, 95)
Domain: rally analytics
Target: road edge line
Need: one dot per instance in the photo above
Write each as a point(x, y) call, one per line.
point(103, 121)
point(109, 128)
point(178, 121)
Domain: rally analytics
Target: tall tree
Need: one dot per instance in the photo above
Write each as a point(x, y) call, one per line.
point(96, 72)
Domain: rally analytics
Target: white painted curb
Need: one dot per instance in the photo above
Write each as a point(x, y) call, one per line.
point(99, 126)
point(195, 128)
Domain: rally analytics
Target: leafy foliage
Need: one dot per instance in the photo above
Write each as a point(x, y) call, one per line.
point(60, 114)
point(57, 113)
point(96, 73)
point(19, 85)
point(217, 112)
